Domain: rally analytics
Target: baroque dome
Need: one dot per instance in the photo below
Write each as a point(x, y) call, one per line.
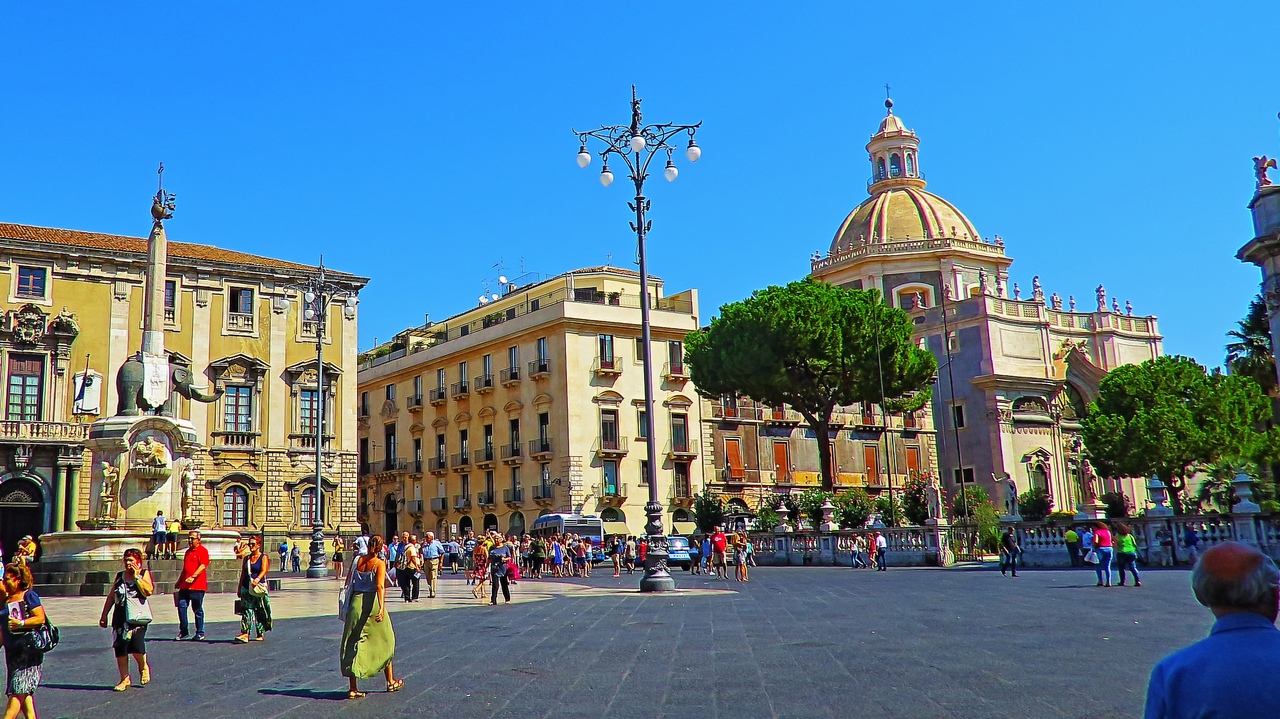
point(899, 208)
point(899, 214)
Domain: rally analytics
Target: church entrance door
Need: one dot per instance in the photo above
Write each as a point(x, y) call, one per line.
point(21, 513)
point(389, 508)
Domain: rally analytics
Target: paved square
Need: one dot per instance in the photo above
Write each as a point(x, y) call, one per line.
point(794, 642)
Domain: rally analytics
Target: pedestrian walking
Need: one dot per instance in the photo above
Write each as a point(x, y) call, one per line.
point(171, 538)
point(499, 558)
point(192, 584)
point(1102, 548)
point(719, 544)
point(1009, 552)
point(1087, 555)
point(748, 557)
point(368, 642)
point(1164, 539)
point(704, 554)
point(1241, 586)
point(1126, 550)
point(452, 549)
point(1191, 542)
point(432, 551)
point(740, 556)
point(159, 535)
point(130, 615)
point(1072, 538)
point(882, 550)
point(295, 557)
point(479, 574)
point(537, 555)
point(860, 552)
point(338, 548)
point(629, 555)
point(254, 606)
point(468, 556)
point(22, 664)
point(284, 555)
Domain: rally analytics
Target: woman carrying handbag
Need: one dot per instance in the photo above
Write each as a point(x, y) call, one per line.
point(21, 662)
point(255, 608)
point(128, 597)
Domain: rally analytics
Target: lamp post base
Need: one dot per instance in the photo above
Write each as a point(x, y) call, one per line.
point(318, 568)
point(656, 577)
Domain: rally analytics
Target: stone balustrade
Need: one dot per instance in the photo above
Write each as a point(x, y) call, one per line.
point(907, 546)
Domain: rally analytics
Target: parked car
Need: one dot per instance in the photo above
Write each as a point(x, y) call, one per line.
point(678, 553)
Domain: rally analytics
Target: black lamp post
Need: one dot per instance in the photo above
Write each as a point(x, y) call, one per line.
point(637, 144)
point(317, 295)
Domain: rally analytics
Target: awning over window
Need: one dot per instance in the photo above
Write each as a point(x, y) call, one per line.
point(616, 528)
point(733, 460)
point(685, 528)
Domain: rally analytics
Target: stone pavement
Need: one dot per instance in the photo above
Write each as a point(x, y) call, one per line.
point(794, 642)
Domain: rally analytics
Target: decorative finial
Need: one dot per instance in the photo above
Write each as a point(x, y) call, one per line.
point(1128, 308)
point(888, 102)
point(1071, 300)
point(162, 204)
point(1017, 292)
point(1260, 167)
point(635, 112)
point(1115, 305)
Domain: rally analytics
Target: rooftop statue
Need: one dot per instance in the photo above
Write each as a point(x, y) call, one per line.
point(1260, 167)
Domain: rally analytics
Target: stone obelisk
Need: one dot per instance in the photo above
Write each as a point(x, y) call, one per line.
point(156, 388)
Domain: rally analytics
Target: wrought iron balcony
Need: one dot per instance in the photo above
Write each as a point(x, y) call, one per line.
point(540, 448)
point(675, 372)
point(462, 502)
point(393, 464)
point(485, 499)
point(681, 449)
point(608, 366)
point(461, 461)
point(484, 457)
point(483, 383)
point(543, 495)
point(611, 446)
point(613, 495)
point(459, 389)
point(437, 465)
point(414, 401)
point(438, 396)
point(511, 453)
point(513, 496)
point(440, 506)
point(540, 368)
point(509, 376)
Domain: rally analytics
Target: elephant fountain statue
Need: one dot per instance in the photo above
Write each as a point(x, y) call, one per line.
point(129, 383)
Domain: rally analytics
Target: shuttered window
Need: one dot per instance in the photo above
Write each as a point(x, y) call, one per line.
point(733, 459)
point(26, 379)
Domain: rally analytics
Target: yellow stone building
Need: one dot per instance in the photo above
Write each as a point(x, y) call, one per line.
point(72, 315)
point(528, 404)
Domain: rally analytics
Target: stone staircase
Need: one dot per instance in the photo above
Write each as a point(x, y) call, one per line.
point(94, 578)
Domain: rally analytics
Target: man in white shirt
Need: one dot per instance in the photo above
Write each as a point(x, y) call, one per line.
point(362, 546)
point(882, 548)
point(157, 535)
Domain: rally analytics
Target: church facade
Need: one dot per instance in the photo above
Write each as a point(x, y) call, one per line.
point(1016, 368)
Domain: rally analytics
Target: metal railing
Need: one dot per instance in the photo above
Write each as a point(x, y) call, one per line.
point(540, 367)
point(539, 446)
point(461, 501)
point(513, 495)
point(483, 382)
point(437, 464)
point(460, 459)
point(439, 395)
point(511, 451)
point(509, 375)
point(413, 400)
point(459, 389)
point(611, 445)
point(484, 454)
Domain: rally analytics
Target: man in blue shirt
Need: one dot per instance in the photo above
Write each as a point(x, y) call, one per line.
point(1234, 671)
point(432, 549)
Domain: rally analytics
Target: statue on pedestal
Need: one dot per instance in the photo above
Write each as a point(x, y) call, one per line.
point(933, 497)
point(188, 484)
point(1260, 167)
point(109, 497)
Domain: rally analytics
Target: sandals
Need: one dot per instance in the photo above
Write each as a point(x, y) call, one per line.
point(395, 686)
point(241, 639)
point(123, 685)
point(353, 694)
point(146, 675)
point(260, 638)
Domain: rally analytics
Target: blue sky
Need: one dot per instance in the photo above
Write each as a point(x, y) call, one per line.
point(421, 143)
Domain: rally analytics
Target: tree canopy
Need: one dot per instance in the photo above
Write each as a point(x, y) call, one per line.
point(812, 346)
point(1170, 418)
point(1250, 353)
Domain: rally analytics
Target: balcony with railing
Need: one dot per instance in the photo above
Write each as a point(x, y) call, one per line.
point(413, 507)
point(440, 506)
point(511, 453)
point(438, 397)
point(681, 449)
point(613, 495)
point(486, 500)
point(509, 376)
point(611, 447)
point(733, 475)
point(242, 441)
point(513, 497)
point(607, 366)
point(675, 371)
point(484, 457)
point(417, 466)
point(483, 383)
point(782, 416)
point(462, 502)
point(306, 441)
point(682, 494)
point(540, 368)
point(414, 402)
point(239, 322)
point(394, 464)
point(437, 465)
point(736, 414)
point(459, 390)
point(40, 432)
point(461, 461)
point(544, 495)
point(540, 448)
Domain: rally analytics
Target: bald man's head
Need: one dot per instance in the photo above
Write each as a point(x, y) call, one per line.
point(1234, 577)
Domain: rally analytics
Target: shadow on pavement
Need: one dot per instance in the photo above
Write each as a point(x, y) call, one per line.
point(78, 687)
point(305, 693)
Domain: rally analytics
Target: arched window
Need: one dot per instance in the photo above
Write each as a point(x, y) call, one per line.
point(464, 525)
point(235, 507)
point(308, 507)
point(911, 165)
point(490, 522)
point(515, 525)
point(895, 165)
point(610, 514)
point(880, 173)
point(681, 515)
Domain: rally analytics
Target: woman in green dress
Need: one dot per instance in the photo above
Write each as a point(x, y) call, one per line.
point(368, 643)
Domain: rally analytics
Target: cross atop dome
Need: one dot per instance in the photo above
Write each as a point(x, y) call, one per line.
point(894, 153)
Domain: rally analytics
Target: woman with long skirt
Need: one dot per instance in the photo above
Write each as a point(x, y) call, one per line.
point(368, 643)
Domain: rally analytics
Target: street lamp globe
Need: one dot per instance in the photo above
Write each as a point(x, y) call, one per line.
point(693, 152)
point(352, 302)
point(671, 173)
point(637, 143)
point(309, 297)
point(309, 313)
point(606, 177)
point(584, 157)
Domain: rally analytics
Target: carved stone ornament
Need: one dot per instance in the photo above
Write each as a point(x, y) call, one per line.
point(64, 324)
point(389, 409)
point(150, 462)
point(21, 460)
point(28, 325)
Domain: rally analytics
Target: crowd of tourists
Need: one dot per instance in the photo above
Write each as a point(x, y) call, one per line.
point(1110, 548)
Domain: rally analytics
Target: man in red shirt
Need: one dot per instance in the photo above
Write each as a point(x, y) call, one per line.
point(193, 582)
point(719, 543)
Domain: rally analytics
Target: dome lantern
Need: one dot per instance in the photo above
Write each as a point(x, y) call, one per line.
point(894, 154)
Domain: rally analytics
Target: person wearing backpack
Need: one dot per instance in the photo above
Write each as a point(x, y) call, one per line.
point(129, 620)
point(22, 665)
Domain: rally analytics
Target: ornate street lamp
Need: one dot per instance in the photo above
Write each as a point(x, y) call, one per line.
point(636, 145)
point(318, 294)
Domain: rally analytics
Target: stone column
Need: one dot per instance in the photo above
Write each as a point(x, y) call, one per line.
point(58, 515)
point(1245, 511)
point(73, 496)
